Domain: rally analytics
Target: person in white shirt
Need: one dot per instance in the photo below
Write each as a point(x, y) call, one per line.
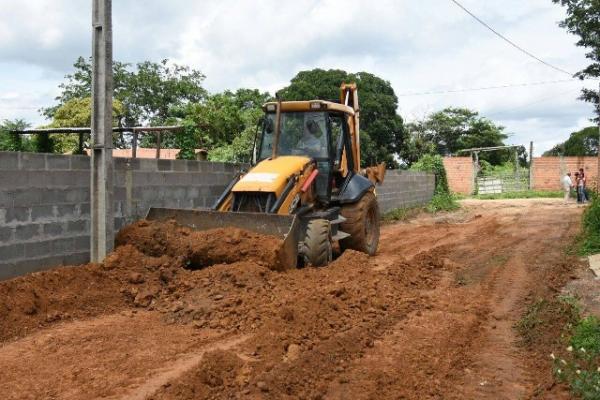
point(567, 184)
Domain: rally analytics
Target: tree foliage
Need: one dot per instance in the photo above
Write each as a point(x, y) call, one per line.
point(583, 20)
point(382, 129)
point(147, 90)
point(435, 165)
point(580, 143)
point(442, 199)
point(452, 129)
point(226, 123)
point(77, 112)
point(11, 141)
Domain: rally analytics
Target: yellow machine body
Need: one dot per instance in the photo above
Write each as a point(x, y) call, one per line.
point(266, 198)
point(271, 175)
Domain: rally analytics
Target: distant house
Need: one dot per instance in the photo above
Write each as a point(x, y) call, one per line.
point(143, 152)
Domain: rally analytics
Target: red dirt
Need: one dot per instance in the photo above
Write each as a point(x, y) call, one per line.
point(201, 249)
point(430, 317)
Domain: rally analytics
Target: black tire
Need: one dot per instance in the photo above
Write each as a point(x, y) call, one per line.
point(317, 243)
point(362, 223)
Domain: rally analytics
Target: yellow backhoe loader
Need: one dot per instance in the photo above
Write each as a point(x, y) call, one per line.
point(305, 185)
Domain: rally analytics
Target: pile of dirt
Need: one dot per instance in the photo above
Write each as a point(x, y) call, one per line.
point(311, 333)
point(199, 249)
point(152, 261)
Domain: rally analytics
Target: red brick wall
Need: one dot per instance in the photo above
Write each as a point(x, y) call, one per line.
point(547, 171)
point(460, 174)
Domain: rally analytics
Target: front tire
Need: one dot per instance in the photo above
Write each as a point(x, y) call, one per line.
point(318, 249)
point(362, 223)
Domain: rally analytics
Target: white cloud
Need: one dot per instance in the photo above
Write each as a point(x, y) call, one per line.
point(417, 46)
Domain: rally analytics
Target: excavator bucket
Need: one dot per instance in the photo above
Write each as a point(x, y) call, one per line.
point(284, 227)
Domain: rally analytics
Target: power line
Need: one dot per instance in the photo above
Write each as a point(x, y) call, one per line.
point(510, 41)
point(526, 105)
point(510, 85)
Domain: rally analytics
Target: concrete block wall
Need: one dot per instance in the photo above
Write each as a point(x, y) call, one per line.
point(45, 202)
point(144, 183)
point(403, 189)
point(459, 171)
point(548, 171)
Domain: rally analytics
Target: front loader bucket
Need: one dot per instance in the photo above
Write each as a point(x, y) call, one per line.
point(284, 227)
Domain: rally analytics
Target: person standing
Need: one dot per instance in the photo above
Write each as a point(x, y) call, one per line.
point(584, 195)
point(577, 192)
point(567, 184)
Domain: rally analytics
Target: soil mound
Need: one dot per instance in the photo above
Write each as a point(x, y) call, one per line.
point(151, 267)
point(305, 333)
point(200, 249)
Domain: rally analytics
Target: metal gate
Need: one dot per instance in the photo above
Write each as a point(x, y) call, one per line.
point(503, 183)
point(515, 180)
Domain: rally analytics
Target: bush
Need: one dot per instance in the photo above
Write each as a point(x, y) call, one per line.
point(587, 335)
point(435, 165)
point(579, 367)
point(401, 214)
point(442, 199)
point(590, 243)
point(442, 202)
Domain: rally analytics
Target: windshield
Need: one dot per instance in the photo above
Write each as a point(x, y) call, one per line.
point(302, 133)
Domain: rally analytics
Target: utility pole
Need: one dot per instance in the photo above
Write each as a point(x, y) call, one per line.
point(598, 147)
point(102, 229)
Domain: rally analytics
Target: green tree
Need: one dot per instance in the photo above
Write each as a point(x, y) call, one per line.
point(153, 89)
point(11, 141)
point(417, 144)
point(452, 129)
point(225, 123)
point(77, 112)
point(78, 85)
point(580, 143)
point(147, 90)
point(583, 20)
point(382, 129)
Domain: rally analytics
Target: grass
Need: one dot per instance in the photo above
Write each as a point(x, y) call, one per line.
point(442, 202)
point(526, 194)
point(439, 202)
point(579, 367)
point(557, 323)
point(536, 324)
point(590, 235)
point(401, 214)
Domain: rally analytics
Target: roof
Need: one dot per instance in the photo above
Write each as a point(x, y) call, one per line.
point(144, 152)
point(305, 105)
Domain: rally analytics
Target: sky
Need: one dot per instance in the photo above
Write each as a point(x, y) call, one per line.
point(418, 46)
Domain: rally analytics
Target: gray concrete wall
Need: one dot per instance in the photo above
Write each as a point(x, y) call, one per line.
point(402, 189)
point(45, 201)
point(45, 209)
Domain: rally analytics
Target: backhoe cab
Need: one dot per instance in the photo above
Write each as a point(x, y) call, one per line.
point(305, 184)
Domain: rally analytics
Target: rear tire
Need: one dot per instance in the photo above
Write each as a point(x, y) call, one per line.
point(317, 243)
point(362, 223)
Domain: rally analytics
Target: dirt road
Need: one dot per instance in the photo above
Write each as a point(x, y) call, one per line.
point(430, 317)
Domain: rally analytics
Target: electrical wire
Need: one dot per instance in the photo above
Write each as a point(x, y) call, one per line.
point(526, 105)
point(501, 36)
point(510, 85)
